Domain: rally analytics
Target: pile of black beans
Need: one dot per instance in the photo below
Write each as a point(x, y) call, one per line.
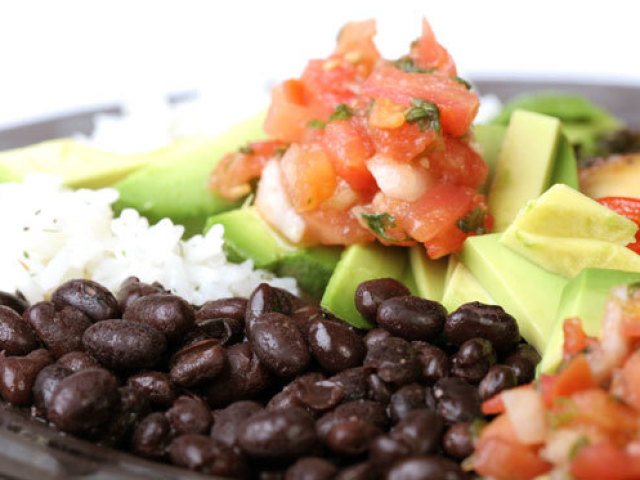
point(265, 387)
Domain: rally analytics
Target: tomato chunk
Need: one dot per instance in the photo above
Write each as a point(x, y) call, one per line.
point(628, 207)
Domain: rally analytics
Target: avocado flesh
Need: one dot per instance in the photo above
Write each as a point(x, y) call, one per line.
point(565, 168)
point(463, 288)
point(524, 166)
point(175, 185)
point(78, 164)
point(357, 264)
point(248, 236)
point(429, 274)
point(525, 290)
point(583, 297)
point(490, 138)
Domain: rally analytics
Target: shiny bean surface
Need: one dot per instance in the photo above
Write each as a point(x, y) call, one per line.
point(412, 318)
point(167, 313)
point(157, 386)
point(198, 363)
point(89, 297)
point(335, 346)
point(152, 436)
point(473, 359)
point(15, 301)
point(18, 374)
point(189, 415)
point(394, 360)
point(370, 294)
point(311, 468)
point(498, 378)
point(16, 336)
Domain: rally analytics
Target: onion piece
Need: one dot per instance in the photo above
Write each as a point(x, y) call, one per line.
point(527, 414)
point(399, 180)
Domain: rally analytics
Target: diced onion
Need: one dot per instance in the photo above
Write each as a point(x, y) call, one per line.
point(399, 180)
point(527, 414)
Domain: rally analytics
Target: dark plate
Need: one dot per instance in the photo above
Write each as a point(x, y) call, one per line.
point(30, 450)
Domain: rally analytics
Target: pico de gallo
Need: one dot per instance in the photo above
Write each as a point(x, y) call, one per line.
point(362, 149)
point(582, 422)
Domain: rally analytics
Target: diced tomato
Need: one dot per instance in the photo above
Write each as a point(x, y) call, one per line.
point(458, 106)
point(309, 177)
point(428, 53)
point(334, 227)
point(457, 163)
point(604, 460)
point(287, 116)
point(355, 45)
point(349, 147)
point(402, 143)
point(386, 114)
point(493, 405)
point(575, 338)
point(329, 83)
point(574, 377)
point(628, 207)
point(232, 175)
point(631, 380)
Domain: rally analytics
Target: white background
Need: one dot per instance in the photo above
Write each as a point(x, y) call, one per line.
point(57, 56)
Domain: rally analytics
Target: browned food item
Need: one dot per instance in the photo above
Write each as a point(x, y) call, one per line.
point(614, 176)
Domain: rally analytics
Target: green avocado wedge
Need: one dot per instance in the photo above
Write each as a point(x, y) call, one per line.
point(583, 297)
point(463, 288)
point(429, 275)
point(357, 264)
point(175, 185)
point(525, 290)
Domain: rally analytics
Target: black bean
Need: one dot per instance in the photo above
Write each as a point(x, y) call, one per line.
point(60, 329)
point(279, 345)
point(433, 360)
point(18, 374)
point(311, 468)
point(198, 363)
point(157, 386)
point(366, 410)
point(206, 455)
point(374, 336)
point(169, 314)
point(379, 391)
point(152, 436)
point(278, 434)
point(412, 318)
point(132, 289)
point(120, 344)
point(16, 336)
point(421, 430)
point(243, 377)
point(351, 437)
point(394, 360)
point(84, 401)
point(425, 467)
point(457, 441)
point(226, 330)
point(289, 396)
point(45, 383)
point(189, 415)
point(385, 450)
point(321, 395)
point(15, 301)
point(487, 321)
point(88, 296)
point(456, 400)
point(523, 360)
point(76, 361)
point(359, 471)
point(370, 294)
point(266, 299)
point(498, 378)
point(228, 420)
point(353, 382)
point(406, 399)
point(304, 317)
point(233, 307)
point(133, 407)
point(334, 345)
point(473, 360)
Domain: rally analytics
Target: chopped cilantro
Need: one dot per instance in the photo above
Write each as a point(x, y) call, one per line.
point(633, 288)
point(378, 224)
point(342, 111)
point(407, 64)
point(280, 151)
point(424, 114)
point(315, 123)
point(578, 445)
point(473, 222)
point(246, 149)
point(462, 81)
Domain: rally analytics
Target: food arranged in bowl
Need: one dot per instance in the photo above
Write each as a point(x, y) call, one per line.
point(358, 288)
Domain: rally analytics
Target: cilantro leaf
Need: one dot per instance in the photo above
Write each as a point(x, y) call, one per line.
point(424, 114)
point(378, 223)
point(315, 123)
point(407, 64)
point(341, 112)
point(473, 222)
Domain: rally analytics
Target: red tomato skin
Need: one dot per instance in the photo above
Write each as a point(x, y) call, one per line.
point(334, 227)
point(329, 83)
point(575, 338)
point(458, 106)
point(457, 163)
point(355, 44)
point(403, 143)
point(604, 460)
point(628, 207)
point(349, 146)
point(287, 118)
point(428, 53)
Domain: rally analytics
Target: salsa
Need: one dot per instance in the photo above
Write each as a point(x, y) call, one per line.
point(361, 148)
point(582, 422)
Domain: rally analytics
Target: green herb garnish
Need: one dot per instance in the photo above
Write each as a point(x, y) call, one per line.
point(633, 288)
point(378, 223)
point(579, 444)
point(407, 64)
point(246, 149)
point(315, 123)
point(424, 114)
point(462, 81)
point(341, 112)
point(473, 222)
point(280, 151)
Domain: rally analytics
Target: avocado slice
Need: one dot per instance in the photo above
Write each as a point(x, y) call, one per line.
point(583, 297)
point(565, 164)
point(524, 166)
point(176, 184)
point(357, 264)
point(527, 291)
point(409, 280)
point(463, 288)
point(79, 164)
point(490, 138)
point(312, 267)
point(429, 274)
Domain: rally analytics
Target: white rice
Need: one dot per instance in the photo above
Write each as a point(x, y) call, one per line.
point(51, 234)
